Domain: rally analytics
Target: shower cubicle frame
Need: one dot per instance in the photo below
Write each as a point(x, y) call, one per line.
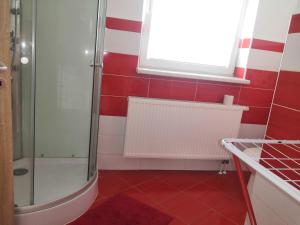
point(92, 175)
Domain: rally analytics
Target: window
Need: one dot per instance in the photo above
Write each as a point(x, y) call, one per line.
point(190, 37)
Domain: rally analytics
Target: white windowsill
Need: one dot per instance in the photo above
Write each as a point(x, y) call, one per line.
point(219, 78)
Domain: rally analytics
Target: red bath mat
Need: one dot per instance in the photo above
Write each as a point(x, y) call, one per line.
point(123, 210)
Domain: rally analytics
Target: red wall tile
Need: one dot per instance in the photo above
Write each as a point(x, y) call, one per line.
point(113, 106)
point(295, 24)
point(255, 97)
point(121, 79)
point(261, 78)
point(282, 151)
point(120, 64)
point(288, 89)
point(256, 115)
point(239, 72)
point(124, 86)
point(284, 123)
point(172, 89)
point(215, 93)
point(261, 44)
point(267, 45)
point(122, 24)
point(245, 43)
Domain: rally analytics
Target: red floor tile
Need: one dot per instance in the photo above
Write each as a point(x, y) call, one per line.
point(213, 198)
point(111, 185)
point(137, 177)
point(99, 200)
point(178, 200)
point(176, 222)
point(213, 218)
point(190, 197)
point(199, 190)
point(228, 184)
point(157, 190)
point(188, 212)
point(180, 180)
point(233, 209)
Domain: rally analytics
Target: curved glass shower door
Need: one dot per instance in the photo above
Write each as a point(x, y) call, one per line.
point(64, 87)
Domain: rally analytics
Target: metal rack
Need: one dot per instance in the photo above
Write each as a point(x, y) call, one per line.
point(279, 162)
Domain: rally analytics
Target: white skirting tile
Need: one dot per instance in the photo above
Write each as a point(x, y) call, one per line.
point(117, 162)
point(162, 164)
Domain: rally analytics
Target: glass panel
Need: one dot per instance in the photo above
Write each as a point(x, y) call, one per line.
point(55, 122)
point(23, 100)
point(65, 44)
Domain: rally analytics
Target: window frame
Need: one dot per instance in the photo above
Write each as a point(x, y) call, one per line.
point(184, 69)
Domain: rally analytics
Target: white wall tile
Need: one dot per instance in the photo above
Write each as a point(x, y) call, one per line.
point(125, 9)
point(111, 144)
point(297, 11)
point(291, 58)
point(242, 58)
point(162, 164)
point(202, 165)
point(264, 60)
point(112, 125)
point(123, 42)
point(117, 162)
point(273, 18)
point(254, 131)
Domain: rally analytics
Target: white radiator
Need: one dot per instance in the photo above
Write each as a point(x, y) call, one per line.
point(170, 129)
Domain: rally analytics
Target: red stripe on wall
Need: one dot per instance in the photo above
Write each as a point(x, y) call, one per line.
point(122, 24)
point(121, 80)
point(288, 90)
point(239, 72)
point(256, 115)
point(295, 24)
point(245, 43)
point(215, 93)
point(267, 45)
point(124, 86)
point(262, 45)
point(120, 64)
point(113, 106)
point(255, 97)
point(261, 78)
point(284, 123)
point(172, 89)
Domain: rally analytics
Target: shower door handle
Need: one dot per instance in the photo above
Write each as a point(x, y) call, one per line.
point(3, 67)
point(100, 65)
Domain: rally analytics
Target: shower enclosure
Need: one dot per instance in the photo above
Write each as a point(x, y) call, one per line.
point(56, 49)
